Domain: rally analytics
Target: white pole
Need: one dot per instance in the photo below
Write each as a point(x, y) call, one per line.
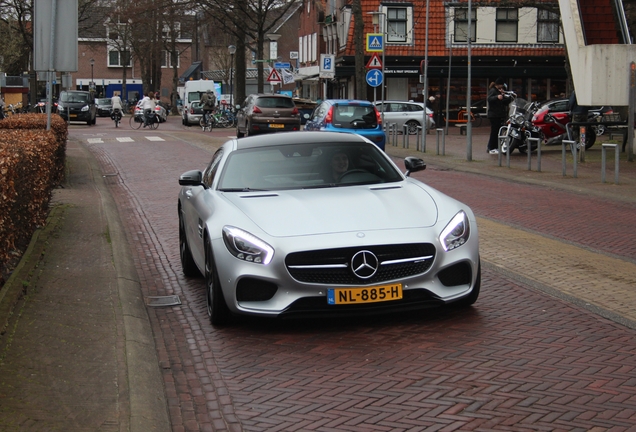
point(469, 132)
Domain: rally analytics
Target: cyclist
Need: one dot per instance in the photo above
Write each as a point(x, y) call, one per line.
point(149, 106)
point(208, 101)
point(117, 109)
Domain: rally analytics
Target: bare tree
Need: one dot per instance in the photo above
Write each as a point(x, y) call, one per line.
point(249, 21)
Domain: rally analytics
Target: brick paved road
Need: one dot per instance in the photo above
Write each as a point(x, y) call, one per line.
point(519, 360)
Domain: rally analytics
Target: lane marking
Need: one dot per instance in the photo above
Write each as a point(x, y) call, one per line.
point(125, 139)
point(154, 138)
point(95, 141)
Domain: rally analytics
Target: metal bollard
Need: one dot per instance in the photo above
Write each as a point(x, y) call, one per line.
point(417, 138)
point(395, 134)
point(421, 143)
point(564, 145)
point(603, 159)
point(405, 136)
point(441, 132)
point(539, 156)
point(530, 141)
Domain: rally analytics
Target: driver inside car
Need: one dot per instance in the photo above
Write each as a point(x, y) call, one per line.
point(339, 165)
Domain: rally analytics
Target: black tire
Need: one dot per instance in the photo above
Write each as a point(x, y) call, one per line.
point(476, 121)
point(188, 265)
point(218, 311)
point(412, 127)
point(135, 124)
point(239, 134)
point(474, 294)
point(590, 138)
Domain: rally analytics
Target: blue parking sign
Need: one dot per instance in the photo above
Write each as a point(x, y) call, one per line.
point(327, 65)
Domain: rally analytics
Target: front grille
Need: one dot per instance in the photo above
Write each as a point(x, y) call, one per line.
point(250, 289)
point(333, 266)
point(457, 274)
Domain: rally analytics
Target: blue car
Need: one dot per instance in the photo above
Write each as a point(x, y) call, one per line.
point(346, 115)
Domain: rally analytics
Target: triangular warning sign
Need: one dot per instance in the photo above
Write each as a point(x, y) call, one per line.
point(374, 62)
point(274, 76)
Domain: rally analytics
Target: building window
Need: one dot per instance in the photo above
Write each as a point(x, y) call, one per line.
point(547, 26)
point(399, 24)
point(118, 59)
point(461, 25)
point(507, 24)
point(166, 59)
point(396, 25)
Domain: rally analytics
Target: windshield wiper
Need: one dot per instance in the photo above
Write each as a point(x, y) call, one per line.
point(246, 189)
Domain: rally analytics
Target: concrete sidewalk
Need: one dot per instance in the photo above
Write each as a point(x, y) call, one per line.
point(78, 351)
point(453, 153)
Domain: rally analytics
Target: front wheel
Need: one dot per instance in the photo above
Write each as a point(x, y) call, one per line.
point(154, 124)
point(218, 311)
point(135, 123)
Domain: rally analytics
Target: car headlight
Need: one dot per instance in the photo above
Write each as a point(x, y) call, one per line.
point(85, 108)
point(246, 246)
point(60, 107)
point(456, 232)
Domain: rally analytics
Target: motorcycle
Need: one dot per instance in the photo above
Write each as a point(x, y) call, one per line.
point(554, 127)
point(518, 128)
point(116, 116)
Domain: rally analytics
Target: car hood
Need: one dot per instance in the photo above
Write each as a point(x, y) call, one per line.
point(341, 209)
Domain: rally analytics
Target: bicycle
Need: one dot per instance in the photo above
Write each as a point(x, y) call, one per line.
point(116, 116)
point(137, 121)
point(212, 120)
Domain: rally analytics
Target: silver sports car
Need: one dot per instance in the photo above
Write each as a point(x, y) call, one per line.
point(322, 223)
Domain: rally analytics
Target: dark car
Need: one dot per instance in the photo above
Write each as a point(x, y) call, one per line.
point(347, 115)
point(104, 106)
point(77, 105)
point(266, 113)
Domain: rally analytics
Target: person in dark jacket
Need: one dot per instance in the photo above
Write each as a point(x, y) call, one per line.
point(497, 112)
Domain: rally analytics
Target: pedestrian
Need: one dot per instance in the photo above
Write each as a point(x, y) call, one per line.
point(208, 102)
point(430, 102)
point(497, 112)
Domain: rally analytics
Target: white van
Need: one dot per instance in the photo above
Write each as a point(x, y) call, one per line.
point(192, 92)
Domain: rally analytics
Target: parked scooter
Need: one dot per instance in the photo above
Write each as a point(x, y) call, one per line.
point(554, 127)
point(515, 133)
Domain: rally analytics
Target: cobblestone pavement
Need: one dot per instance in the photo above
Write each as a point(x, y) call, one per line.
point(550, 344)
point(520, 360)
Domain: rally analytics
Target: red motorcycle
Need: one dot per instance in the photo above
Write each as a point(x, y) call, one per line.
point(553, 125)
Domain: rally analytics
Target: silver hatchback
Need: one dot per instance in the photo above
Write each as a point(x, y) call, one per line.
point(403, 113)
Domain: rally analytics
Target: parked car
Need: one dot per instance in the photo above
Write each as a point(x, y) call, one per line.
point(347, 115)
point(104, 107)
point(266, 113)
point(40, 107)
point(391, 243)
point(162, 114)
point(305, 106)
point(406, 113)
point(193, 114)
point(77, 105)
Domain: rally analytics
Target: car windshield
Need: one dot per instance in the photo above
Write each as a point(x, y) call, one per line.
point(103, 101)
point(74, 97)
point(306, 166)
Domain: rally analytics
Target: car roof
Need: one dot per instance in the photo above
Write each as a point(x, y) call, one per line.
point(270, 95)
point(348, 102)
point(301, 137)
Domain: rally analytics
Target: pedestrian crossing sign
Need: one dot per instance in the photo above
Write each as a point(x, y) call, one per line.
point(375, 42)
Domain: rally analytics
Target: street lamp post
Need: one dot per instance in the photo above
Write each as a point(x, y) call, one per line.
point(232, 50)
point(92, 83)
point(384, 33)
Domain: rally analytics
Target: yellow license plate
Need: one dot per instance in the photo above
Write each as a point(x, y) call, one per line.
point(373, 294)
point(73, 115)
point(277, 126)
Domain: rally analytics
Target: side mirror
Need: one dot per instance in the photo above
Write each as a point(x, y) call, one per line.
point(413, 164)
point(191, 178)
